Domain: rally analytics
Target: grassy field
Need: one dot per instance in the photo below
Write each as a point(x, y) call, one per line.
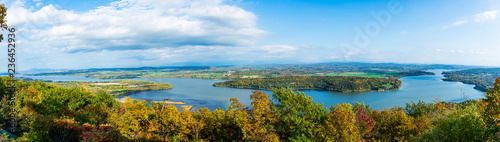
point(208, 75)
point(249, 76)
point(387, 86)
point(159, 73)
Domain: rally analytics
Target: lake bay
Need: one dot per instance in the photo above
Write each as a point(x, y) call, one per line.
point(201, 93)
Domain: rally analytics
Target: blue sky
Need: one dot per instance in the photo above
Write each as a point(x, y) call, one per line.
point(69, 34)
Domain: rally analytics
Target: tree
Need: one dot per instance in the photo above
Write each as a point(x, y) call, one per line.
point(393, 125)
point(171, 123)
point(492, 104)
point(197, 124)
point(93, 114)
point(262, 118)
point(365, 122)
point(419, 109)
point(3, 22)
point(300, 118)
point(228, 125)
point(132, 121)
point(4, 89)
point(465, 124)
point(341, 124)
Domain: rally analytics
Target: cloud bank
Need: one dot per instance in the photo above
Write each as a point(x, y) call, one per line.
point(138, 24)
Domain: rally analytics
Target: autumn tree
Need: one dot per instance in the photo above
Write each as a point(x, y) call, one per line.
point(365, 122)
point(226, 125)
point(132, 121)
point(197, 124)
point(3, 21)
point(262, 118)
point(393, 125)
point(492, 103)
point(341, 124)
point(169, 123)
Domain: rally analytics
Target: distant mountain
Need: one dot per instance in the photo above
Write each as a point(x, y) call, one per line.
point(41, 70)
point(345, 65)
point(66, 72)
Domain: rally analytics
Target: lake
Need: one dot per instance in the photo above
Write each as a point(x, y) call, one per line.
point(201, 93)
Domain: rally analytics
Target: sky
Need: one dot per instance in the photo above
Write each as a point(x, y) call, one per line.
point(72, 34)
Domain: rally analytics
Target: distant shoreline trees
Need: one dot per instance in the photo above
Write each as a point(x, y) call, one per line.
point(482, 78)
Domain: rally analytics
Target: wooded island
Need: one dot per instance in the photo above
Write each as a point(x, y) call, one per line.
point(327, 83)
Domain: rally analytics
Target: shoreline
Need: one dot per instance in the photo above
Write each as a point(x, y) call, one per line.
point(475, 85)
point(187, 107)
point(181, 104)
point(122, 100)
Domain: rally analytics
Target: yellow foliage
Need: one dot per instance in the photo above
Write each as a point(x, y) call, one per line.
point(341, 124)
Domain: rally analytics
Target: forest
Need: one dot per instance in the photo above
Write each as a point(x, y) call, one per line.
point(327, 83)
point(46, 112)
point(483, 78)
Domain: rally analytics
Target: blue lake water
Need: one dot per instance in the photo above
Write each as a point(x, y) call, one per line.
point(201, 93)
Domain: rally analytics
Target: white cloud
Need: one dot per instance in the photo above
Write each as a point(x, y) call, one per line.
point(488, 15)
point(460, 22)
point(334, 57)
point(147, 33)
point(138, 24)
point(460, 51)
point(404, 32)
point(185, 55)
point(477, 52)
point(278, 48)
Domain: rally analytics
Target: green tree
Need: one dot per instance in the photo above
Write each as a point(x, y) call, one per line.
point(300, 118)
point(459, 125)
